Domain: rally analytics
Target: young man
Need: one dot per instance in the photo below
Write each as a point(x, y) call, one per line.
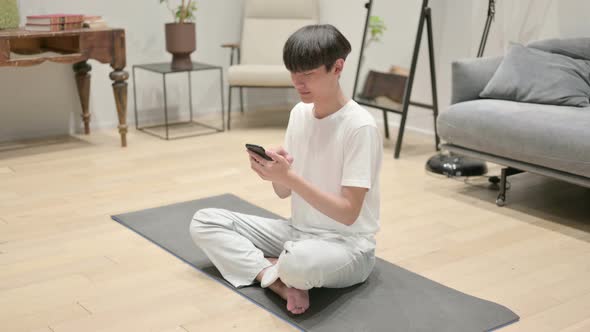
point(329, 165)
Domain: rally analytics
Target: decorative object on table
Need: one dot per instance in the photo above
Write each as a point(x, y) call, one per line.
point(425, 18)
point(54, 22)
point(181, 39)
point(9, 17)
point(453, 165)
point(94, 22)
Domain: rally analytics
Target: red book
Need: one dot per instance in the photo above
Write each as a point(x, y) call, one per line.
point(54, 19)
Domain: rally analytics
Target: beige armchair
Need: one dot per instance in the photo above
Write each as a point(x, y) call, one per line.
point(266, 27)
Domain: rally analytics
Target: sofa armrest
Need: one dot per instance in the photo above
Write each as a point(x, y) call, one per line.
point(470, 76)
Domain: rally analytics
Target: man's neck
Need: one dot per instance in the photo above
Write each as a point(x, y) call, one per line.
point(323, 108)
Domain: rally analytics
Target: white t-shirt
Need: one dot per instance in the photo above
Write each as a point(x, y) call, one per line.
point(342, 149)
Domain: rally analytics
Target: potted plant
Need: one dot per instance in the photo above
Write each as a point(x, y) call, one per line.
point(181, 38)
point(382, 84)
point(9, 17)
point(376, 29)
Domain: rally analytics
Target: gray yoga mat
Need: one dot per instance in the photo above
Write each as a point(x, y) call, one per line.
point(392, 299)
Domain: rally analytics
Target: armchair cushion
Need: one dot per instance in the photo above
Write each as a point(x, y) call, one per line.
point(267, 26)
point(259, 75)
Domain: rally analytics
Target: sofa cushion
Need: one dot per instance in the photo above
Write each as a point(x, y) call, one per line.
point(531, 75)
point(577, 48)
point(556, 137)
point(470, 77)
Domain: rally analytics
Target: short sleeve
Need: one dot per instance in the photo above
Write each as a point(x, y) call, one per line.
point(362, 158)
point(288, 142)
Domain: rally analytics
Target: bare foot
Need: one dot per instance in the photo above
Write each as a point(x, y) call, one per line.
point(297, 300)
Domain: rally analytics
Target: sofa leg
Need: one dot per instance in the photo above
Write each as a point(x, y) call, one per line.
point(504, 184)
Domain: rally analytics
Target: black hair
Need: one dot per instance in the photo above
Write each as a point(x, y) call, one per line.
point(314, 45)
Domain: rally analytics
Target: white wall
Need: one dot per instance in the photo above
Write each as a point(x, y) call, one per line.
point(42, 100)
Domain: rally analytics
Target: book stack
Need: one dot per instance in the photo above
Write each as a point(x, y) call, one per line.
point(54, 22)
point(94, 22)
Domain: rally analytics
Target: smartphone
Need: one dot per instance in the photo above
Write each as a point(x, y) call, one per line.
point(258, 150)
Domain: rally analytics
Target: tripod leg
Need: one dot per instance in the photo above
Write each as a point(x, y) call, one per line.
point(410, 83)
point(432, 75)
point(386, 124)
point(486, 29)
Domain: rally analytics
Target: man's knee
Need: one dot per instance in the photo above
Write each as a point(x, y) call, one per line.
point(312, 264)
point(203, 220)
point(299, 269)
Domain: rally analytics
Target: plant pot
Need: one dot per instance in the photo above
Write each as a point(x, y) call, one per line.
point(9, 17)
point(181, 41)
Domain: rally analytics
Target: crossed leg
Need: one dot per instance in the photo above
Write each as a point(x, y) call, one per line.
point(238, 243)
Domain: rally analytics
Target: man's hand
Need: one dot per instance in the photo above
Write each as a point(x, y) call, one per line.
point(283, 153)
point(344, 208)
point(281, 190)
point(278, 171)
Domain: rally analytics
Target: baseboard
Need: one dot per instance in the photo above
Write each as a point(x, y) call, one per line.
point(394, 123)
point(147, 119)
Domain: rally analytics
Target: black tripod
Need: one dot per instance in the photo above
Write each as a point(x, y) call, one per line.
point(425, 18)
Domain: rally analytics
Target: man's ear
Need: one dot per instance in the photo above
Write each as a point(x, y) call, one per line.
point(338, 66)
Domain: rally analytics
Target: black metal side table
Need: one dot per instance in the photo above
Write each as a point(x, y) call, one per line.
point(164, 69)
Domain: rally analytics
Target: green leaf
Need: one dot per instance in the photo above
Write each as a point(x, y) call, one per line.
point(182, 15)
point(376, 27)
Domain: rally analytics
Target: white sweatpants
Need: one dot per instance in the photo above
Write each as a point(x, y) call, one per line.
point(237, 244)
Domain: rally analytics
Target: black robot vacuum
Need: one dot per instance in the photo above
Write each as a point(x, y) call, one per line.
point(452, 165)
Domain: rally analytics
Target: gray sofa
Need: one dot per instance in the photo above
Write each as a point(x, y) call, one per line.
point(545, 139)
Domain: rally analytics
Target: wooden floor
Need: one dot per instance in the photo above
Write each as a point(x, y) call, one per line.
point(66, 266)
